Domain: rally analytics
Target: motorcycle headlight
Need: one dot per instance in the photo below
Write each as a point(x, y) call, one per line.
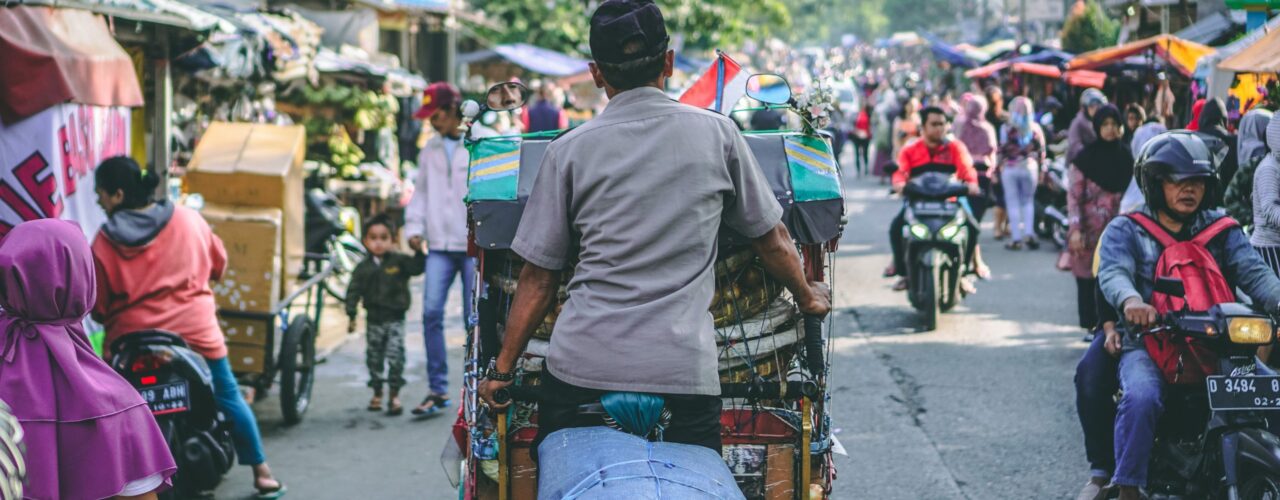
point(1250, 330)
point(949, 231)
point(920, 230)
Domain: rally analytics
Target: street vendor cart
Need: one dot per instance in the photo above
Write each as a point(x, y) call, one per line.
point(247, 181)
point(773, 360)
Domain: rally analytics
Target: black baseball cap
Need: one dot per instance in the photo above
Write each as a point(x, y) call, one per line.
point(617, 23)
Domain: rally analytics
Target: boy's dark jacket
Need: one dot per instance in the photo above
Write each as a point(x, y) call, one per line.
point(384, 288)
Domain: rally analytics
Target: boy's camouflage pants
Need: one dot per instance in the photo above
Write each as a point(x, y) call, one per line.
point(385, 345)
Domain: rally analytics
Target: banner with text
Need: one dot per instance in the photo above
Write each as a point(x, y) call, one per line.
point(47, 163)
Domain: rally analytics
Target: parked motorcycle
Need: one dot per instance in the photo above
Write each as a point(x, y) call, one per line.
point(178, 387)
point(1051, 203)
point(936, 238)
point(332, 233)
point(1213, 440)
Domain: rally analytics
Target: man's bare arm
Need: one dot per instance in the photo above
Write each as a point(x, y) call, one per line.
point(782, 261)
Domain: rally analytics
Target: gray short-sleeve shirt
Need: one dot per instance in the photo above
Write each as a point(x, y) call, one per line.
point(640, 193)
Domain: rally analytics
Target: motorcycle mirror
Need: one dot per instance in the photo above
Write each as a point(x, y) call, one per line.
point(769, 89)
point(1171, 287)
point(470, 109)
point(507, 96)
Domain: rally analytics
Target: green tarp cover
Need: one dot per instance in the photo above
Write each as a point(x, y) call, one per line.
point(495, 170)
point(814, 175)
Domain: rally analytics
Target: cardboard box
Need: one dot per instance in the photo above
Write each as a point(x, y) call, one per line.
point(252, 239)
point(256, 165)
point(780, 476)
point(245, 358)
point(246, 331)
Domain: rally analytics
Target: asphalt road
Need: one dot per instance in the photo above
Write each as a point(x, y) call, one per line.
point(982, 408)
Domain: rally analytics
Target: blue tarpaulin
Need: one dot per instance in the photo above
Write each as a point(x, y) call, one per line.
point(536, 59)
point(946, 52)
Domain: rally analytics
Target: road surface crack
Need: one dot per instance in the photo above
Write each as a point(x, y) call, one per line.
point(908, 394)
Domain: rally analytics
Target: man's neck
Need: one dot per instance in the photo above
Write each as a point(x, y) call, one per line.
point(1169, 222)
point(933, 145)
point(660, 84)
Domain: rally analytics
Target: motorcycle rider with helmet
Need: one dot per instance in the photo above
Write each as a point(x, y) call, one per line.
point(933, 150)
point(1178, 181)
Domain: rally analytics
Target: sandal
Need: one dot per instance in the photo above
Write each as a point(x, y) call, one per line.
point(395, 409)
point(375, 404)
point(1033, 243)
point(900, 285)
point(431, 405)
point(890, 271)
point(1013, 245)
point(270, 493)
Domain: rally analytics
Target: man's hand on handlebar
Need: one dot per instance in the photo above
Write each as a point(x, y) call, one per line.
point(897, 187)
point(818, 302)
point(974, 190)
point(1139, 314)
point(488, 388)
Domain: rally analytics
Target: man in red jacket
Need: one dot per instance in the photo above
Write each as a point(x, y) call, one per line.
point(934, 150)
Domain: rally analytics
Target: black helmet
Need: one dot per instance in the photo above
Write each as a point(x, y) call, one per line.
point(1175, 155)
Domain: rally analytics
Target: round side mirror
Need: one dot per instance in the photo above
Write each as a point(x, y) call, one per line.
point(769, 89)
point(507, 96)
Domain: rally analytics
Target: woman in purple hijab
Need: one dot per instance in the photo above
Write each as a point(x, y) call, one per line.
point(89, 435)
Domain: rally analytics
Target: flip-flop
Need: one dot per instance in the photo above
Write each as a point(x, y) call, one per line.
point(436, 404)
point(374, 406)
point(273, 494)
point(395, 410)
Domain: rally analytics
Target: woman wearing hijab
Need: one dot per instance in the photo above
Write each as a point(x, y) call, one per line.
point(1081, 133)
point(980, 138)
point(1022, 151)
point(1099, 176)
point(1134, 117)
point(882, 132)
point(89, 434)
point(1251, 150)
point(1213, 129)
point(155, 261)
point(1266, 199)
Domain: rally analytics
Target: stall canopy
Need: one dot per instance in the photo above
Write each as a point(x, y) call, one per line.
point(1218, 79)
point(1178, 53)
point(536, 59)
point(1263, 56)
point(1213, 28)
point(167, 12)
point(944, 51)
point(1044, 70)
point(1086, 78)
point(51, 56)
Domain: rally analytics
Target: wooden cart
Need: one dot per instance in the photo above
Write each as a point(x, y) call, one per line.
point(281, 342)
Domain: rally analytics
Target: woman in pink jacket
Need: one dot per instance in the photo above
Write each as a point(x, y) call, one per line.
point(154, 261)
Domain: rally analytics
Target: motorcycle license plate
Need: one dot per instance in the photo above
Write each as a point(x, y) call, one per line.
point(1254, 392)
point(168, 398)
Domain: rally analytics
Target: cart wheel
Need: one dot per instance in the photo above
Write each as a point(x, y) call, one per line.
point(297, 369)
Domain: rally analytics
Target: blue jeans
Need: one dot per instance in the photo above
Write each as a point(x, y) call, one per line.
point(244, 427)
point(1140, 409)
point(1096, 384)
point(442, 267)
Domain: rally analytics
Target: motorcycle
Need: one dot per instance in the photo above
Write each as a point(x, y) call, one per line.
point(1213, 440)
point(332, 233)
point(178, 387)
point(1051, 203)
point(936, 235)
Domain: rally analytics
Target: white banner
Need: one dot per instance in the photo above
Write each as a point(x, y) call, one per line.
point(47, 163)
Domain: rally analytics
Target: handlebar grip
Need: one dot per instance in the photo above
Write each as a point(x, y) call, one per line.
point(524, 393)
point(813, 344)
point(502, 396)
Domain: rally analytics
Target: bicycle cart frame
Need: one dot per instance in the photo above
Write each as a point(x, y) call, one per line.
point(290, 336)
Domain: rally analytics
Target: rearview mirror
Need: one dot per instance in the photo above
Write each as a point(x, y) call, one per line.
point(1171, 287)
point(507, 96)
point(769, 89)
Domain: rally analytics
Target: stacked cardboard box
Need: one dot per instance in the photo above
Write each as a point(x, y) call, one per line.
point(250, 176)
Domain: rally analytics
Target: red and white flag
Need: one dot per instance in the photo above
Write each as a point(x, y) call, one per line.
point(720, 88)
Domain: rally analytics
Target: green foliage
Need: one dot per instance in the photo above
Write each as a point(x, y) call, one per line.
point(1089, 30)
point(564, 25)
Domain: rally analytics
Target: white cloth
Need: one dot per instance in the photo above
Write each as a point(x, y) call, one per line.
point(142, 486)
point(1132, 198)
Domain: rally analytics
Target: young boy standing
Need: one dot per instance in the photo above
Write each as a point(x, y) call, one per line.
point(382, 281)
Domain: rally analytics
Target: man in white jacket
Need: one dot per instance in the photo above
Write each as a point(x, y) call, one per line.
point(437, 218)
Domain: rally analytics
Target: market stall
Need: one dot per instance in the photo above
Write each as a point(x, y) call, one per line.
point(1221, 82)
point(1253, 67)
point(1133, 69)
point(65, 90)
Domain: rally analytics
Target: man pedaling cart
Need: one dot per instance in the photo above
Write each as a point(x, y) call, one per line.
point(637, 198)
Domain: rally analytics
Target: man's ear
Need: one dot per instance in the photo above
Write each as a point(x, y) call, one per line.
point(668, 67)
point(595, 75)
